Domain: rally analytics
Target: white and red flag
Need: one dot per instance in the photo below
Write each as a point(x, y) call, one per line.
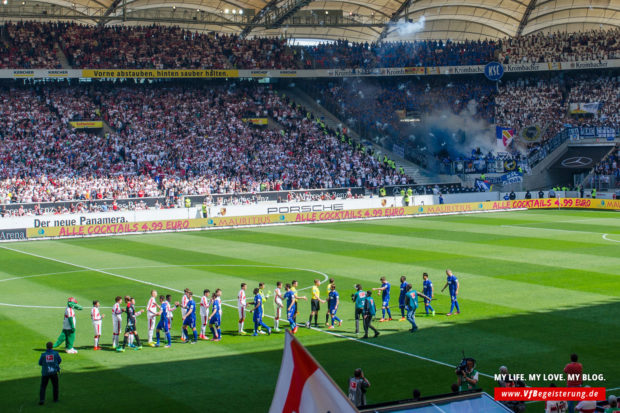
point(304, 387)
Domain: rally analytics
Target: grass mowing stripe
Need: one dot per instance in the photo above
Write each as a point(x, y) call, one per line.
point(91, 269)
point(226, 304)
point(437, 248)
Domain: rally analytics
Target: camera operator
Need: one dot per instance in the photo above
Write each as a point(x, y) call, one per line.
point(467, 375)
point(358, 385)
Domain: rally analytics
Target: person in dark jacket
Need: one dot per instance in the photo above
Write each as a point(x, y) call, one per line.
point(50, 367)
point(369, 312)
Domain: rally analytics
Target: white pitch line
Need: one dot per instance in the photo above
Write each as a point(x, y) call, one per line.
point(41, 306)
point(609, 239)
point(549, 229)
point(39, 275)
point(394, 350)
point(441, 363)
point(326, 277)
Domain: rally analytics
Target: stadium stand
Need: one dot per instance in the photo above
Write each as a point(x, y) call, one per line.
point(375, 108)
point(193, 140)
point(31, 45)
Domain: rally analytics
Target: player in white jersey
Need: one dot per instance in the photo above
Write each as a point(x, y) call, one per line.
point(151, 314)
point(205, 302)
point(241, 304)
point(171, 308)
point(117, 312)
point(184, 301)
point(277, 302)
point(96, 316)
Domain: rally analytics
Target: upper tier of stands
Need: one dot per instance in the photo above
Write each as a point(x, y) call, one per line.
point(32, 45)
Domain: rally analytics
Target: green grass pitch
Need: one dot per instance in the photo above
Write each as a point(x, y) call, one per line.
point(535, 287)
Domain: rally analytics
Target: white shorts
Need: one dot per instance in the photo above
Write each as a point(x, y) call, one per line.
point(183, 311)
point(97, 327)
point(204, 319)
point(152, 320)
point(241, 313)
point(116, 323)
point(278, 311)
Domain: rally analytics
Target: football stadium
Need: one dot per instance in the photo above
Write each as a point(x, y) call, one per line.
point(310, 206)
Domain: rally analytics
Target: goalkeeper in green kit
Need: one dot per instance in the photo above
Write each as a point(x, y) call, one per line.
point(68, 326)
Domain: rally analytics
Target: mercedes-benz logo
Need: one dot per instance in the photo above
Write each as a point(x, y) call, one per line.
point(577, 162)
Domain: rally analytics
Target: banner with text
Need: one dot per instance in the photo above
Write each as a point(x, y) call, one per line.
point(99, 226)
point(306, 73)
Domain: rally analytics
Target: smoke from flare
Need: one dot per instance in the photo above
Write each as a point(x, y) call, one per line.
point(405, 28)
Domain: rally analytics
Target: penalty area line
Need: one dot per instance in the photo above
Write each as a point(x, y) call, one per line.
point(441, 363)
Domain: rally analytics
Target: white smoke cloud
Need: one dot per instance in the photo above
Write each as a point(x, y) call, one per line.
point(407, 29)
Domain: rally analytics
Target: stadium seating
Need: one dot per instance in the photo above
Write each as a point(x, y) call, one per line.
point(192, 140)
point(31, 45)
point(374, 107)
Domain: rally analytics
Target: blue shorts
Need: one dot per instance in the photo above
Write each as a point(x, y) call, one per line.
point(452, 296)
point(332, 311)
point(291, 314)
point(190, 321)
point(386, 302)
point(257, 316)
point(427, 301)
point(401, 302)
point(215, 320)
point(163, 325)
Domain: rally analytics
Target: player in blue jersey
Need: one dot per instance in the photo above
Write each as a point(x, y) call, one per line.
point(258, 312)
point(412, 305)
point(164, 322)
point(385, 298)
point(215, 321)
point(333, 302)
point(401, 297)
point(291, 307)
point(428, 290)
point(453, 283)
point(189, 319)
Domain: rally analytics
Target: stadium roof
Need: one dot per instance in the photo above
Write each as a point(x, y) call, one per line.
point(356, 20)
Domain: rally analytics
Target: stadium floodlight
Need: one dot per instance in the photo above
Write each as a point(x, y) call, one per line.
point(226, 11)
point(241, 11)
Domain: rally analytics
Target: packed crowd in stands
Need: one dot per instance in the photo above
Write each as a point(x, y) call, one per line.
point(343, 54)
point(32, 45)
point(531, 101)
point(163, 47)
point(172, 140)
point(607, 172)
point(28, 45)
point(604, 90)
point(375, 108)
point(562, 47)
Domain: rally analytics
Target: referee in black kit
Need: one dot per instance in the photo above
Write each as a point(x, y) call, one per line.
point(50, 367)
